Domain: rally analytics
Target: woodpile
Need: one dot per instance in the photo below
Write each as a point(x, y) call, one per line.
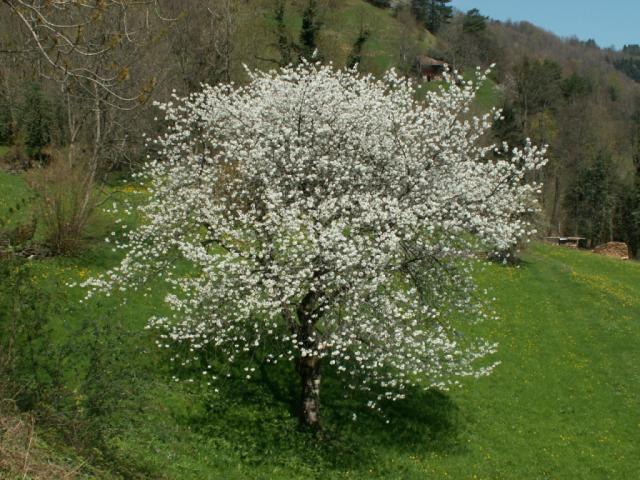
point(613, 249)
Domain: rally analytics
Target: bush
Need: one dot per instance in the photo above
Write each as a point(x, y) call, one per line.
point(28, 364)
point(6, 127)
point(72, 385)
point(17, 239)
point(16, 159)
point(66, 202)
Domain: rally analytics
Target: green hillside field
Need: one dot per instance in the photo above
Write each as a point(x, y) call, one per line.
point(341, 24)
point(561, 405)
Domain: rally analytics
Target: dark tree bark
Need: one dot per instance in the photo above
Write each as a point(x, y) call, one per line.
point(309, 370)
point(309, 363)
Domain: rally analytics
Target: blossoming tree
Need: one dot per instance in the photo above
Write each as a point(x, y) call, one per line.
point(328, 219)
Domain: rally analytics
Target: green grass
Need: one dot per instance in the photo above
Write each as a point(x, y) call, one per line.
point(562, 404)
point(488, 96)
point(4, 149)
point(15, 199)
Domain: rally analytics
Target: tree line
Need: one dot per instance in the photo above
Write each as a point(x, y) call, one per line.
point(573, 96)
point(78, 83)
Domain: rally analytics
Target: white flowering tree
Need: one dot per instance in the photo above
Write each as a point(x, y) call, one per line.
point(328, 219)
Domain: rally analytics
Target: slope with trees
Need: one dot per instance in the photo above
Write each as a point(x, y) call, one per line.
point(75, 99)
point(570, 95)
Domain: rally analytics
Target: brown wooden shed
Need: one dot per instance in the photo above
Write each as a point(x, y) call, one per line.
point(429, 68)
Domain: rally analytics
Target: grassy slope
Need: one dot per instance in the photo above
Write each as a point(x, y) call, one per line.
point(341, 24)
point(563, 403)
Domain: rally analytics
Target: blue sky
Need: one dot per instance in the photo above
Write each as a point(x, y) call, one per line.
point(608, 22)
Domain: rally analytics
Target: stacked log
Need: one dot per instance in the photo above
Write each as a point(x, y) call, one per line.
point(613, 249)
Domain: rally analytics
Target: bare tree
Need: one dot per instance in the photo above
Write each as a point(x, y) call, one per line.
point(67, 34)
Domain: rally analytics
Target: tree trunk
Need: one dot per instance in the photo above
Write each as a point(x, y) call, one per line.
point(555, 219)
point(309, 370)
point(309, 362)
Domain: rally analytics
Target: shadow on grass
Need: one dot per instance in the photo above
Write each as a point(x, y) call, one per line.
point(258, 421)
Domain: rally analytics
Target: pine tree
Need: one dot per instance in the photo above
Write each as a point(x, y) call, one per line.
point(355, 56)
point(309, 32)
point(284, 43)
point(433, 13)
point(6, 128)
point(591, 199)
point(629, 216)
point(630, 198)
point(474, 22)
point(419, 9)
point(36, 121)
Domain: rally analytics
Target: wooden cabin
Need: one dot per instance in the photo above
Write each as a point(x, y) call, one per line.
point(429, 68)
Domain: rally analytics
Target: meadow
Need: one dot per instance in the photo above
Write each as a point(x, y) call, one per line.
point(562, 404)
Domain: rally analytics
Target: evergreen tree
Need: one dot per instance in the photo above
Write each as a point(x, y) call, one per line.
point(537, 87)
point(591, 200)
point(474, 22)
point(439, 13)
point(432, 13)
point(284, 43)
point(355, 57)
point(309, 32)
point(507, 128)
point(36, 121)
point(630, 66)
point(628, 218)
point(630, 201)
point(380, 3)
point(632, 49)
point(576, 86)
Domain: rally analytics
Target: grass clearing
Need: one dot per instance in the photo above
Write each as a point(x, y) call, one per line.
point(562, 404)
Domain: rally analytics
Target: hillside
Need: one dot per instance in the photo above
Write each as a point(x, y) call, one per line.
point(341, 22)
point(560, 404)
point(89, 395)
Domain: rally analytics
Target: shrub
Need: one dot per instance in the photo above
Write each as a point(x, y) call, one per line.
point(6, 127)
point(66, 202)
point(16, 159)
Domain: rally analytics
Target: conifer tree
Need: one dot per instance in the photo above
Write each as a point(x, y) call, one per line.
point(5, 124)
point(36, 121)
point(591, 199)
point(309, 32)
point(355, 56)
point(284, 43)
point(474, 22)
point(433, 13)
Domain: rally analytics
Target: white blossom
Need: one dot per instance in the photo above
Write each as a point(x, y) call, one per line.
point(333, 214)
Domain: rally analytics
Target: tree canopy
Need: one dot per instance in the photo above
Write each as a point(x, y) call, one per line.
point(331, 214)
